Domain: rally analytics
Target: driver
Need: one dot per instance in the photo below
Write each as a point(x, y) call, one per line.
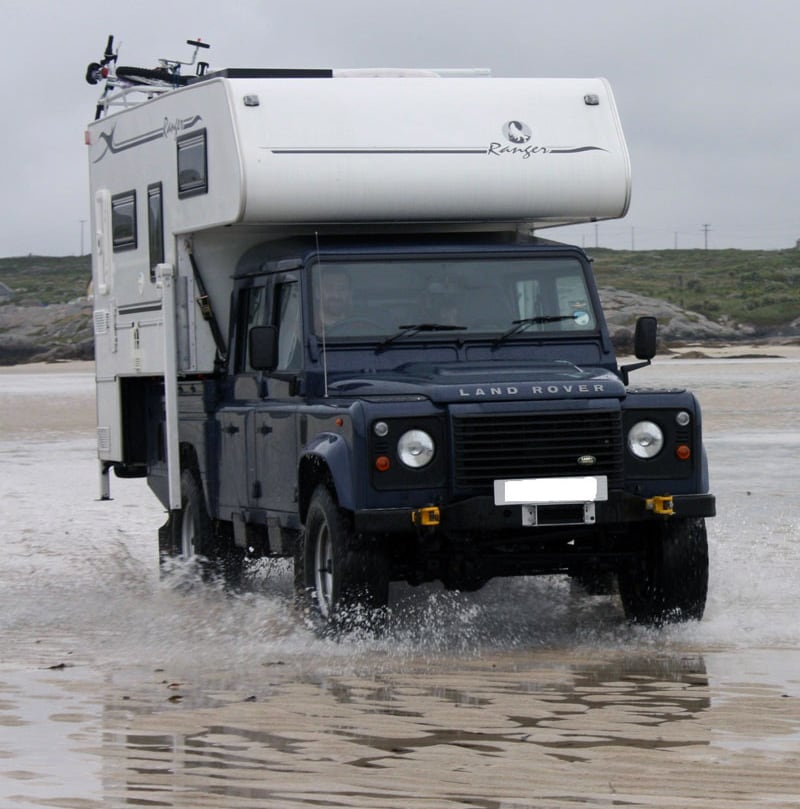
point(335, 298)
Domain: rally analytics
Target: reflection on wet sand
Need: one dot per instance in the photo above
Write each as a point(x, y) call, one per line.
point(522, 731)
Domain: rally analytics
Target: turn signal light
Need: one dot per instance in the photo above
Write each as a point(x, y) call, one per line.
point(682, 452)
point(427, 516)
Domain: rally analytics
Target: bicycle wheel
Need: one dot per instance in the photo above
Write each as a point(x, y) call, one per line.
point(143, 75)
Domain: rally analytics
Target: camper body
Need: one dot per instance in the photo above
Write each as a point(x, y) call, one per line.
point(325, 330)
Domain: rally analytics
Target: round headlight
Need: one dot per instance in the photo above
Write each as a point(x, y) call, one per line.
point(415, 448)
point(645, 439)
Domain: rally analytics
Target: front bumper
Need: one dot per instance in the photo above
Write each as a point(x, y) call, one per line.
point(480, 515)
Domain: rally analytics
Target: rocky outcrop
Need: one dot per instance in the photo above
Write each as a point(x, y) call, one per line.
point(36, 333)
point(675, 325)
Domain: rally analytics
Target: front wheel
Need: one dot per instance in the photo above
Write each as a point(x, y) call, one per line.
point(338, 579)
point(668, 580)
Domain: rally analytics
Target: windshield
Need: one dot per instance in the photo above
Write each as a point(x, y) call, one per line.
point(497, 296)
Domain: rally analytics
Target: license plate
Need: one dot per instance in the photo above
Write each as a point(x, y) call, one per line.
point(549, 491)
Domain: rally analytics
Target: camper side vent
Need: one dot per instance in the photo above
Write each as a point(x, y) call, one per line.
point(102, 321)
point(103, 439)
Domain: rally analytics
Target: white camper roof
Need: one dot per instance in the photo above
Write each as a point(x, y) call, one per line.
point(367, 147)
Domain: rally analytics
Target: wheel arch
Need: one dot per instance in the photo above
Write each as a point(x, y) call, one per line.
point(327, 462)
point(190, 461)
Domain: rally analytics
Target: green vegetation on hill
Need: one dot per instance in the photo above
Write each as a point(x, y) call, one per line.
point(758, 287)
point(46, 279)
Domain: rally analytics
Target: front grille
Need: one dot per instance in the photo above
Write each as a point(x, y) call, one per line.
point(496, 447)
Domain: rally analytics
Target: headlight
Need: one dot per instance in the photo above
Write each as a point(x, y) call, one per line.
point(415, 448)
point(645, 439)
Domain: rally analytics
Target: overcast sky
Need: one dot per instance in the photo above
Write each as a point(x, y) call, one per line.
point(708, 92)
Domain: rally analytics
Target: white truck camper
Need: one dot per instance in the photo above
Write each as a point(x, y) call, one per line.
point(326, 328)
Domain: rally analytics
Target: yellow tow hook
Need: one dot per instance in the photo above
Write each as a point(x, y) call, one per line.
point(660, 504)
point(426, 517)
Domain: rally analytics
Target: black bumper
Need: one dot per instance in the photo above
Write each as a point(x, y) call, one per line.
point(480, 515)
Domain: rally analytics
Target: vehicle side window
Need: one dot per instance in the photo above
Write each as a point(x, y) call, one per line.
point(155, 227)
point(192, 164)
point(290, 328)
point(123, 221)
point(252, 312)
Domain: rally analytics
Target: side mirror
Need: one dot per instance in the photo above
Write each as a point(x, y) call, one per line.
point(644, 340)
point(644, 345)
point(262, 347)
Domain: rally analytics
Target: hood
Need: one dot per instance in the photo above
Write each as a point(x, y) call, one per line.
point(483, 381)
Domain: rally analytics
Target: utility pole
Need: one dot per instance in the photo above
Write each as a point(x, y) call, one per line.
point(596, 238)
point(706, 228)
point(83, 222)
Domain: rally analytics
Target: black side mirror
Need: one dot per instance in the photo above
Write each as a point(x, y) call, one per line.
point(262, 347)
point(644, 339)
point(644, 345)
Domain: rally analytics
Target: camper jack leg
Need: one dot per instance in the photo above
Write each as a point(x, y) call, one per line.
point(105, 482)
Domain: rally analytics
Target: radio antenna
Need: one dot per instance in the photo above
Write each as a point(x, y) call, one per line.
point(322, 318)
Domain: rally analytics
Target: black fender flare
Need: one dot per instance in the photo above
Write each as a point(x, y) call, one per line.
point(327, 458)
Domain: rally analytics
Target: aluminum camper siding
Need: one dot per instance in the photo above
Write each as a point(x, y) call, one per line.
point(540, 151)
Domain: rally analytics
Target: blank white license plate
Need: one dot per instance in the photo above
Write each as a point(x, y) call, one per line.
point(547, 491)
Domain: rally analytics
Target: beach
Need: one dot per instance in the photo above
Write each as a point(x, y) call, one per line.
point(120, 688)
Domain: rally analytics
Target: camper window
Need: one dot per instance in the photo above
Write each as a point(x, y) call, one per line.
point(123, 220)
point(155, 227)
point(192, 164)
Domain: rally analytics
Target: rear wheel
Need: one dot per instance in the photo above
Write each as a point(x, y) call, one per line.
point(191, 536)
point(339, 581)
point(668, 580)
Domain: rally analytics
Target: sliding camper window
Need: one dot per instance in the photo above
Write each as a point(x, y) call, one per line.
point(123, 220)
point(192, 164)
point(155, 227)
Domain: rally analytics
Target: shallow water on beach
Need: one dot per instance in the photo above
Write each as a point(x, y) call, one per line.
point(119, 689)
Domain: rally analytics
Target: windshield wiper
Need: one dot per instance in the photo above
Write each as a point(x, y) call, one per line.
point(521, 325)
point(415, 328)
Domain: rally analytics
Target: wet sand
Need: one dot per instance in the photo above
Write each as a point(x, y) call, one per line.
point(118, 689)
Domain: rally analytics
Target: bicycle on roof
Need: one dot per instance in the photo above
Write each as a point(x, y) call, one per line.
point(119, 80)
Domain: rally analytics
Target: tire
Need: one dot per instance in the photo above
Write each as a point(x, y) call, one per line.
point(340, 585)
point(668, 581)
point(93, 72)
point(191, 536)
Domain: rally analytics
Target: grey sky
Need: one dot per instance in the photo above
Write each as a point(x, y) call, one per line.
point(707, 92)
